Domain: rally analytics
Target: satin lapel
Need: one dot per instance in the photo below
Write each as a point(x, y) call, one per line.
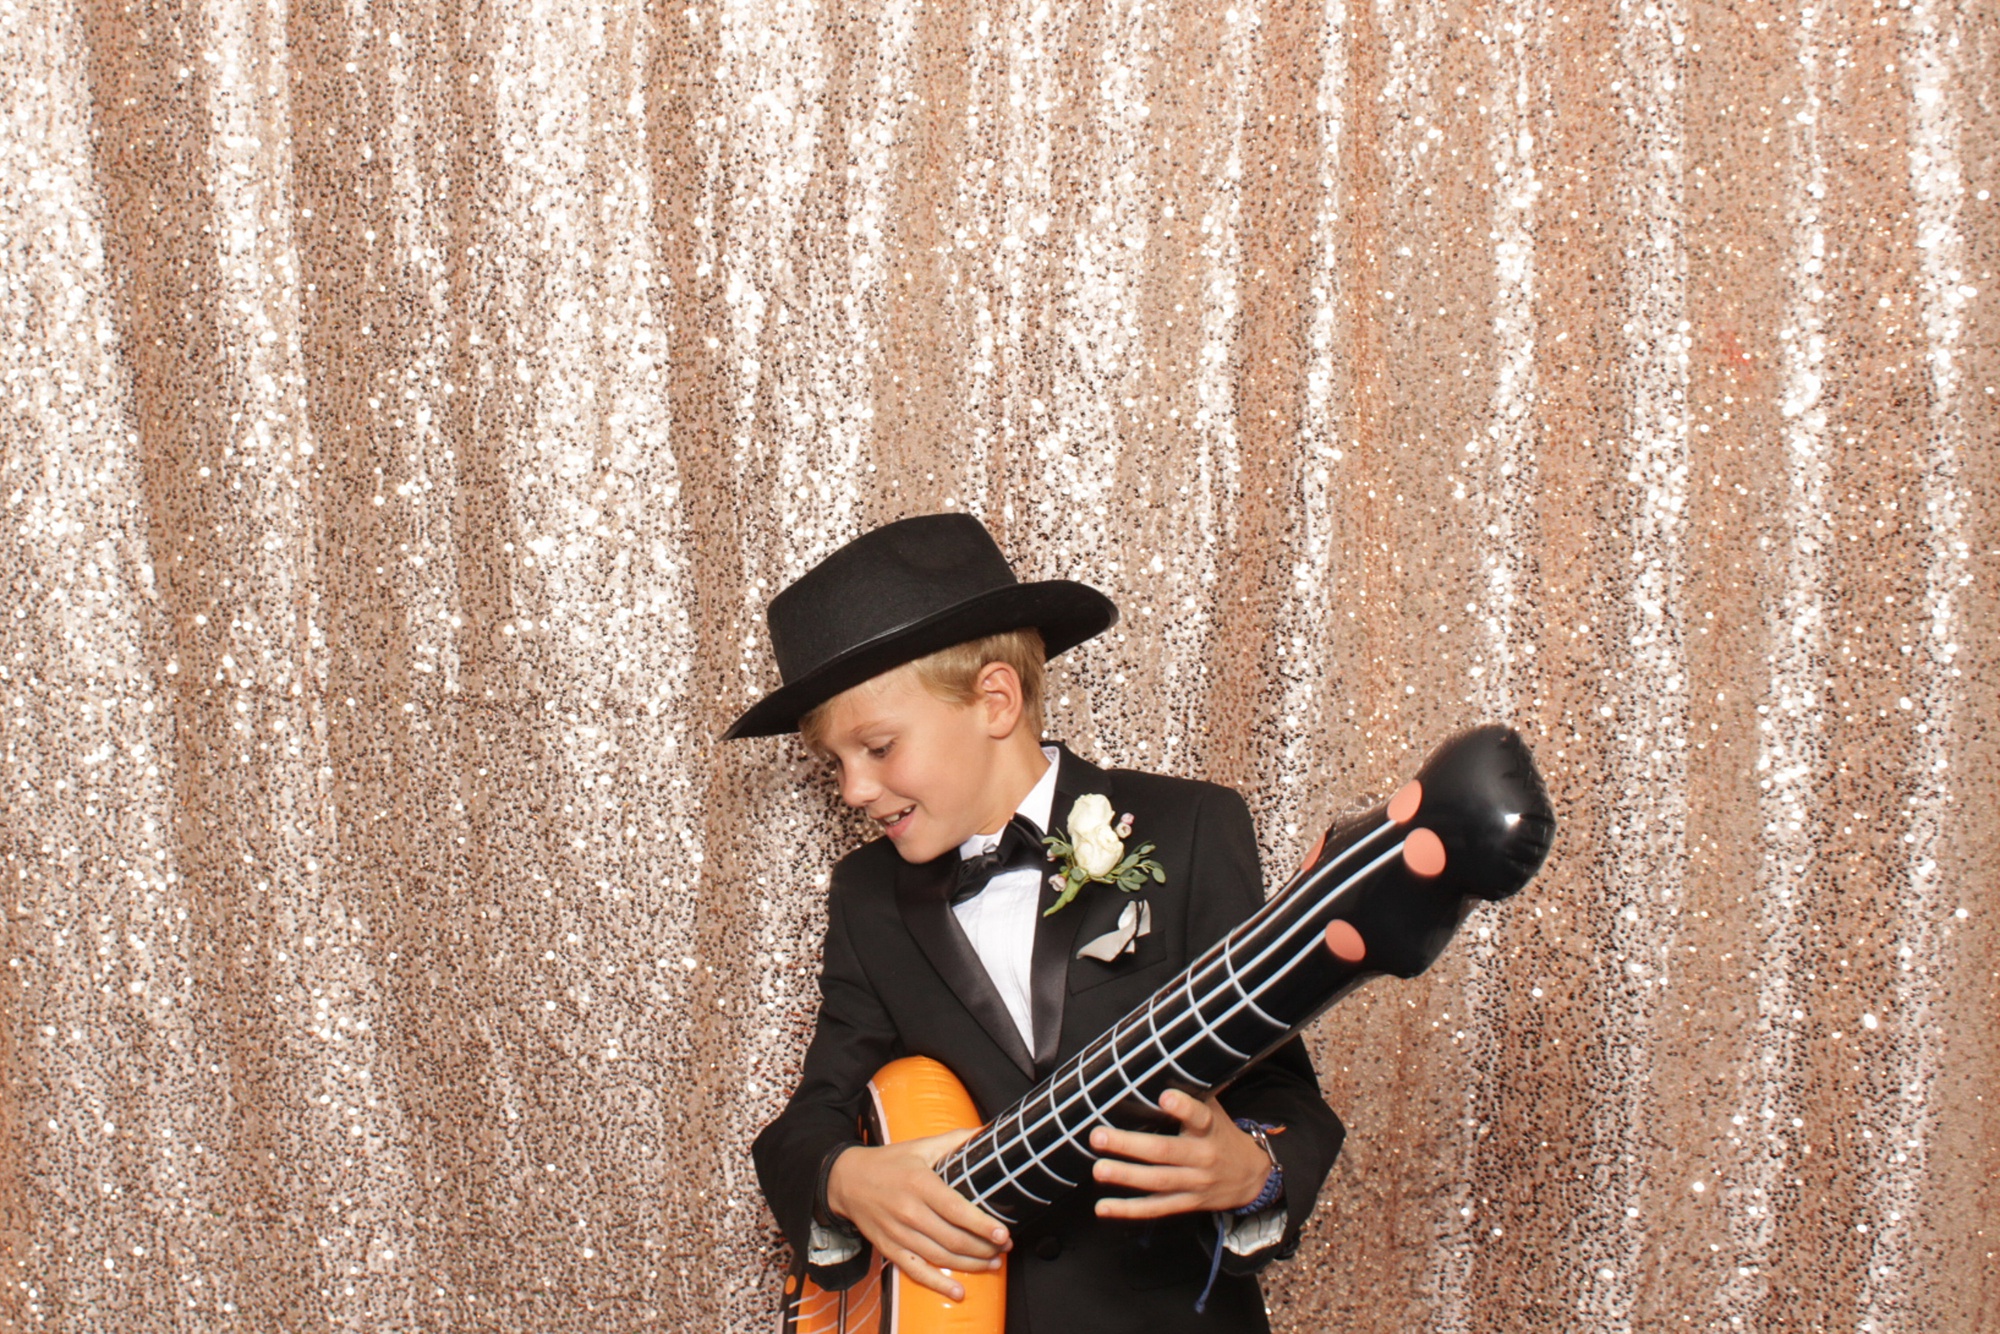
point(1055, 937)
point(922, 895)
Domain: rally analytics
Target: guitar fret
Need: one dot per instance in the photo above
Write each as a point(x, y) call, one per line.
point(1118, 1072)
point(1194, 1007)
point(1248, 994)
point(1082, 1092)
point(1160, 1042)
point(1009, 1178)
point(1056, 1117)
point(1037, 1161)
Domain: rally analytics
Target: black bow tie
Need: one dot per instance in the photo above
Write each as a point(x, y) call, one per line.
point(1020, 848)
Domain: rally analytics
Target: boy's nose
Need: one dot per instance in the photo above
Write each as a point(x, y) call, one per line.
point(856, 788)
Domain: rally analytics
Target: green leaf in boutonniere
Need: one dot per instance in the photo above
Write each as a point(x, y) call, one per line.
point(1095, 853)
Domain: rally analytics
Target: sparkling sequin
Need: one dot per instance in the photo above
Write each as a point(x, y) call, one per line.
point(408, 413)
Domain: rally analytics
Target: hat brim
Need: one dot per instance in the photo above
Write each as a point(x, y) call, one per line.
point(1066, 612)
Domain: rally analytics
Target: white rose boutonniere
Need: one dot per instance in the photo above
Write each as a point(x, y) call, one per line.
point(1095, 852)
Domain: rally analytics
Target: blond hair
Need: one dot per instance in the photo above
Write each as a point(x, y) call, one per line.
point(952, 674)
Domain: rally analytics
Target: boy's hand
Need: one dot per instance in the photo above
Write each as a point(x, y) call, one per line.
point(1210, 1165)
point(913, 1220)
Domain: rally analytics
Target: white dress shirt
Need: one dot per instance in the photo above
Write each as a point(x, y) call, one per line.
point(1000, 919)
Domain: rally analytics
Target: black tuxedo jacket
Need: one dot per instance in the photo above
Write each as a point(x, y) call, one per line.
point(899, 978)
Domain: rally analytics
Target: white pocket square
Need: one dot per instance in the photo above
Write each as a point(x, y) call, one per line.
point(1135, 921)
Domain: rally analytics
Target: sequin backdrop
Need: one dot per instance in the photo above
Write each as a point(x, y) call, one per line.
point(409, 408)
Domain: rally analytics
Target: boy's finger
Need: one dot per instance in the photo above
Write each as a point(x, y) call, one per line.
point(1148, 1206)
point(962, 1225)
point(959, 1212)
point(1144, 1176)
point(1194, 1114)
point(929, 1275)
point(935, 1147)
point(935, 1243)
point(967, 1247)
point(1139, 1146)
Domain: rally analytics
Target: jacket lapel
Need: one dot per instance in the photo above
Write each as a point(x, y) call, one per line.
point(1055, 937)
point(923, 896)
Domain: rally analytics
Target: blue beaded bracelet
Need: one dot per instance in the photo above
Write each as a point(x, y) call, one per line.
point(1274, 1184)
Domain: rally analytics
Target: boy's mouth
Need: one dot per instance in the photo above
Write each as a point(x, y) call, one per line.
point(892, 823)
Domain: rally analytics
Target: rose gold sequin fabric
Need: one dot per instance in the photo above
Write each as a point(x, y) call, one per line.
point(409, 408)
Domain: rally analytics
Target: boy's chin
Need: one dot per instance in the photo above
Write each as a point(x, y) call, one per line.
point(915, 848)
point(917, 853)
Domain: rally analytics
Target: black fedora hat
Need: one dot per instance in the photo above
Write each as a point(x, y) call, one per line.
point(893, 595)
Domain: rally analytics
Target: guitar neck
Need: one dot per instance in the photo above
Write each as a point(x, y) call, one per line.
point(1241, 998)
point(1271, 976)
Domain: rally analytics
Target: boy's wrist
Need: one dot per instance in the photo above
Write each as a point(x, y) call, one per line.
point(823, 1211)
point(1273, 1182)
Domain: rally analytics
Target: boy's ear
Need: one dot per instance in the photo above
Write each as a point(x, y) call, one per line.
point(998, 697)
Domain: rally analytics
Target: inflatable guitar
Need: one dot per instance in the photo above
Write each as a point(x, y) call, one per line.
point(1382, 894)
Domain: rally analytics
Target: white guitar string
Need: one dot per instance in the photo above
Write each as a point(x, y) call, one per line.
point(1020, 1119)
point(1153, 1028)
point(1194, 1007)
point(1205, 1028)
point(1244, 991)
point(1055, 1114)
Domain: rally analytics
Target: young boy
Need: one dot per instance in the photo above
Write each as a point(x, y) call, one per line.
point(913, 660)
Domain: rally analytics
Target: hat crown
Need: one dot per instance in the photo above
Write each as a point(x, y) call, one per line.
point(879, 585)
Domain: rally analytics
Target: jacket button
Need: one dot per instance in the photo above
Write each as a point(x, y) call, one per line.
point(1048, 1248)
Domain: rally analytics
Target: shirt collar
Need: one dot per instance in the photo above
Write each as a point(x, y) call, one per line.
point(1037, 806)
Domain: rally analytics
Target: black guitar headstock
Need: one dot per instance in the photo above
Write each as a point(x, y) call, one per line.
point(1474, 824)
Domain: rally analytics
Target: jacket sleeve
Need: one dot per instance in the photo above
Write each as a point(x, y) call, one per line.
point(1280, 1090)
point(853, 1037)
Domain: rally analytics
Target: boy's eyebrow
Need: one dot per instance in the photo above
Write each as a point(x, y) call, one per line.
point(868, 722)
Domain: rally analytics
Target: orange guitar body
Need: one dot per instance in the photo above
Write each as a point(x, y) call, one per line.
point(911, 1098)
